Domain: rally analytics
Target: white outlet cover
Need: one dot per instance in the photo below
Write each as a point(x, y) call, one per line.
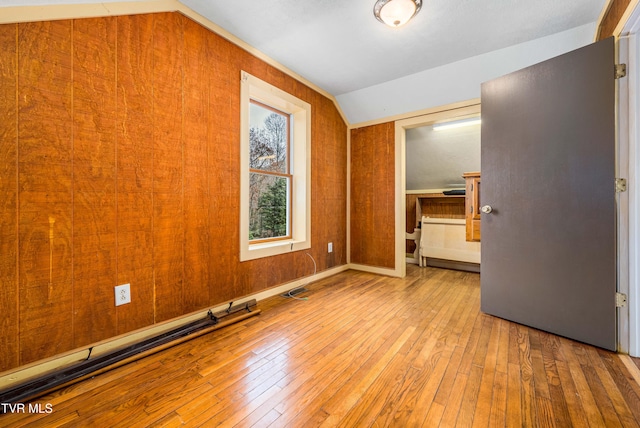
point(123, 294)
point(330, 247)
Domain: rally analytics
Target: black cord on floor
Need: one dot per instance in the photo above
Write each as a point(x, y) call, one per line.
point(290, 293)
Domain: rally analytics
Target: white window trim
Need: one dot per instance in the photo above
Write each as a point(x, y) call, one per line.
point(253, 88)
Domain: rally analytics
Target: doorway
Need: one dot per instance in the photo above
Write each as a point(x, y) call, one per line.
point(438, 156)
point(447, 113)
point(628, 165)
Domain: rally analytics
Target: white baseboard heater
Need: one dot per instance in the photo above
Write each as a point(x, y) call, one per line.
point(444, 240)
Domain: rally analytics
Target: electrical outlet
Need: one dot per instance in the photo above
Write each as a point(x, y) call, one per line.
point(330, 247)
point(123, 294)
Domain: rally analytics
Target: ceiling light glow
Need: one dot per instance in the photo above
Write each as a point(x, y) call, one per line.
point(456, 124)
point(396, 13)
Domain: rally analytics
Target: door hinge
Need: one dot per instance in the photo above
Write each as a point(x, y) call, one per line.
point(621, 70)
point(621, 185)
point(621, 300)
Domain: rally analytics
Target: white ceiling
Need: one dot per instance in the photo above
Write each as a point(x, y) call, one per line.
point(339, 45)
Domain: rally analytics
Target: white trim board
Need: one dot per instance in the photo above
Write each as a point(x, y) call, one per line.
point(622, 200)
point(629, 111)
point(378, 270)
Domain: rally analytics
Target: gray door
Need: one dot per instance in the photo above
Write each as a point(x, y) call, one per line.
point(548, 155)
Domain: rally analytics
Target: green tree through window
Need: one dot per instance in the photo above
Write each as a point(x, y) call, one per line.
point(270, 178)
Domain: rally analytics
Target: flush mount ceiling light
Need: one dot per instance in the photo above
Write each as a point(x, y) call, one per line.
point(395, 13)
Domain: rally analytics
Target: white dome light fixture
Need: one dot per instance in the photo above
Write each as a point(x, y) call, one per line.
point(396, 13)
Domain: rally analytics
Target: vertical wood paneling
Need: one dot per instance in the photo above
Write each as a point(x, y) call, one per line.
point(8, 197)
point(168, 231)
point(134, 190)
point(224, 163)
point(127, 153)
point(45, 175)
point(197, 49)
point(329, 190)
point(372, 195)
point(94, 177)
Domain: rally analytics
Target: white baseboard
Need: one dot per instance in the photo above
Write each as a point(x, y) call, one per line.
point(376, 270)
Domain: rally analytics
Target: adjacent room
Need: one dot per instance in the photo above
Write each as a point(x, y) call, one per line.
point(384, 213)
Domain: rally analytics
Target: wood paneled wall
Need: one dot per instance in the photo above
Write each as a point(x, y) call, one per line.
point(119, 140)
point(611, 18)
point(373, 195)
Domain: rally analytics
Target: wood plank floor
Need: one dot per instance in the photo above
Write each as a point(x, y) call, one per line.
point(362, 351)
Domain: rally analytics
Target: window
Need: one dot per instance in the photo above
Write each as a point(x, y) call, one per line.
point(269, 173)
point(275, 171)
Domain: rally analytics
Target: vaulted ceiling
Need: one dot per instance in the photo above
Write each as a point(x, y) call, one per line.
point(340, 47)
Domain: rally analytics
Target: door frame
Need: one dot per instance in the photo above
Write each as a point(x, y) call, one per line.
point(628, 37)
point(445, 113)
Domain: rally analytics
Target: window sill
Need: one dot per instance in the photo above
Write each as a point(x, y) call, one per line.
point(268, 249)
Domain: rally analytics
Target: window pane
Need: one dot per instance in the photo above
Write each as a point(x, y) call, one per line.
point(269, 196)
point(268, 139)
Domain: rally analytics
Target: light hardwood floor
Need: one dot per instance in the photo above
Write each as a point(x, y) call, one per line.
point(362, 351)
